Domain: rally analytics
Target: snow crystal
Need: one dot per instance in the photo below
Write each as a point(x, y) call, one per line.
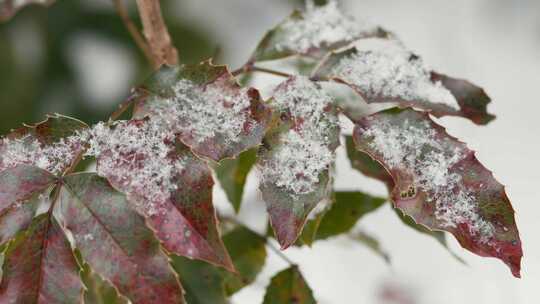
point(53, 157)
point(138, 157)
point(205, 112)
point(383, 68)
point(321, 26)
point(304, 151)
point(415, 148)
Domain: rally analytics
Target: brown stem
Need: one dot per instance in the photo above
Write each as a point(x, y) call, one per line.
point(133, 31)
point(156, 33)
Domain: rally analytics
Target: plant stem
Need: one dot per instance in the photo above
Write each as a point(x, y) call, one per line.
point(251, 68)
point(156, 33)
point(133, 31)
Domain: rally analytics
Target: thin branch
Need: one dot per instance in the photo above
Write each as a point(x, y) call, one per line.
point(133, 31)
point(251, 68)
point(156, 33)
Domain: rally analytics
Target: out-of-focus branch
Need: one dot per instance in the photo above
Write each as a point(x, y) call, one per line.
point(156, 33)
point(133, 30)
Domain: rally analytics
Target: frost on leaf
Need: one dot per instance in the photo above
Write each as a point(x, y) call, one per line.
point(440, 183)
point(165, 182)
point(122, 249)
point(51, 145)
point(289, 286)
point(297, 155)
point(39, 266)
point(384, 71)
point(204, 104)
point(8, 8)
point(314, 31)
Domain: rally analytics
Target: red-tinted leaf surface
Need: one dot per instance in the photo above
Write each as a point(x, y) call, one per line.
point(50, 145)
point(22, 190)
point(204, 104)
point(440, 183)
point(384, 71)
point(166, 183)
point(289, 286)
point(313, 32)
point(297, 155)
point(40, 266)
point(114, 240)
point(8, 8)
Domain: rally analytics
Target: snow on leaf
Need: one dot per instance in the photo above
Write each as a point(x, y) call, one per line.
point(8, 8)
point(314, 31)
point(204, 104)
point(165, 182)
point(50, 145)
point(289, 286)
point(23, 189)
point(122, 250)
point(297, 155)
point(384, 71)
point(39, 266)
point(440, 183)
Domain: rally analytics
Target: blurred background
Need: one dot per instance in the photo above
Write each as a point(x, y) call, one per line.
point(76, 58)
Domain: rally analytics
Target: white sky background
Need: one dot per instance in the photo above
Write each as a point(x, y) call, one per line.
point(494, 43)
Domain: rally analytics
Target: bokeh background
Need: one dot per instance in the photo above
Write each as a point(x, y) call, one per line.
point(76, 58)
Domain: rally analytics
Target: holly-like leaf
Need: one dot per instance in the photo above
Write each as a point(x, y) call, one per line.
point(297, 155)
point(39, 266)
point(345, 212)
point(372, 243)
point(248, 252)
point(232, 174)
point(384, 71)
point(206, 107)
point(23, 189)
point(114, 240)
point(165, 182)
point(203, 282)
point(313, 32)
point(51, 145)
point(8, 8)
point(289, 286)
point(440, 183)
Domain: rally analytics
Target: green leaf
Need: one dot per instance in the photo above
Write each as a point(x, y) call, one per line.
point(39, 266)
point(288, 286)
point(313, 32)
point(348, 208)
point(232, 174)
point(297, 155)
point(248, 252)
point(206, 107)
point(23, 189)
point(371, 243)
point(203, 282)
point(8, 8)
point(114, 240)
point(384, 71)
point(440, 183)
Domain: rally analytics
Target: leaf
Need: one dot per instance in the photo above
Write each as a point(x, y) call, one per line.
point(98, 290)
point(202, 281)
point(114, 240)
point(206, 107)
point(248, 252)
point(440, 183)
point(288, 286)
point(384, 71)
point(313, 32)
point(347, 209)
point(39, 266)
point(23, 189)
point(8, 8)
point(166, 183)
point(232, 174)
point(51, 145)
point(297, 155)
point(371, 243)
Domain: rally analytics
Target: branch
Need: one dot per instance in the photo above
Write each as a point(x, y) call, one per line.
point(132, 29)
point(156, 33)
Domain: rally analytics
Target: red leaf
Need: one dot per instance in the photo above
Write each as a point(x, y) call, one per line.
point(114, 240)
point(440, 183)
point(40, 267)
